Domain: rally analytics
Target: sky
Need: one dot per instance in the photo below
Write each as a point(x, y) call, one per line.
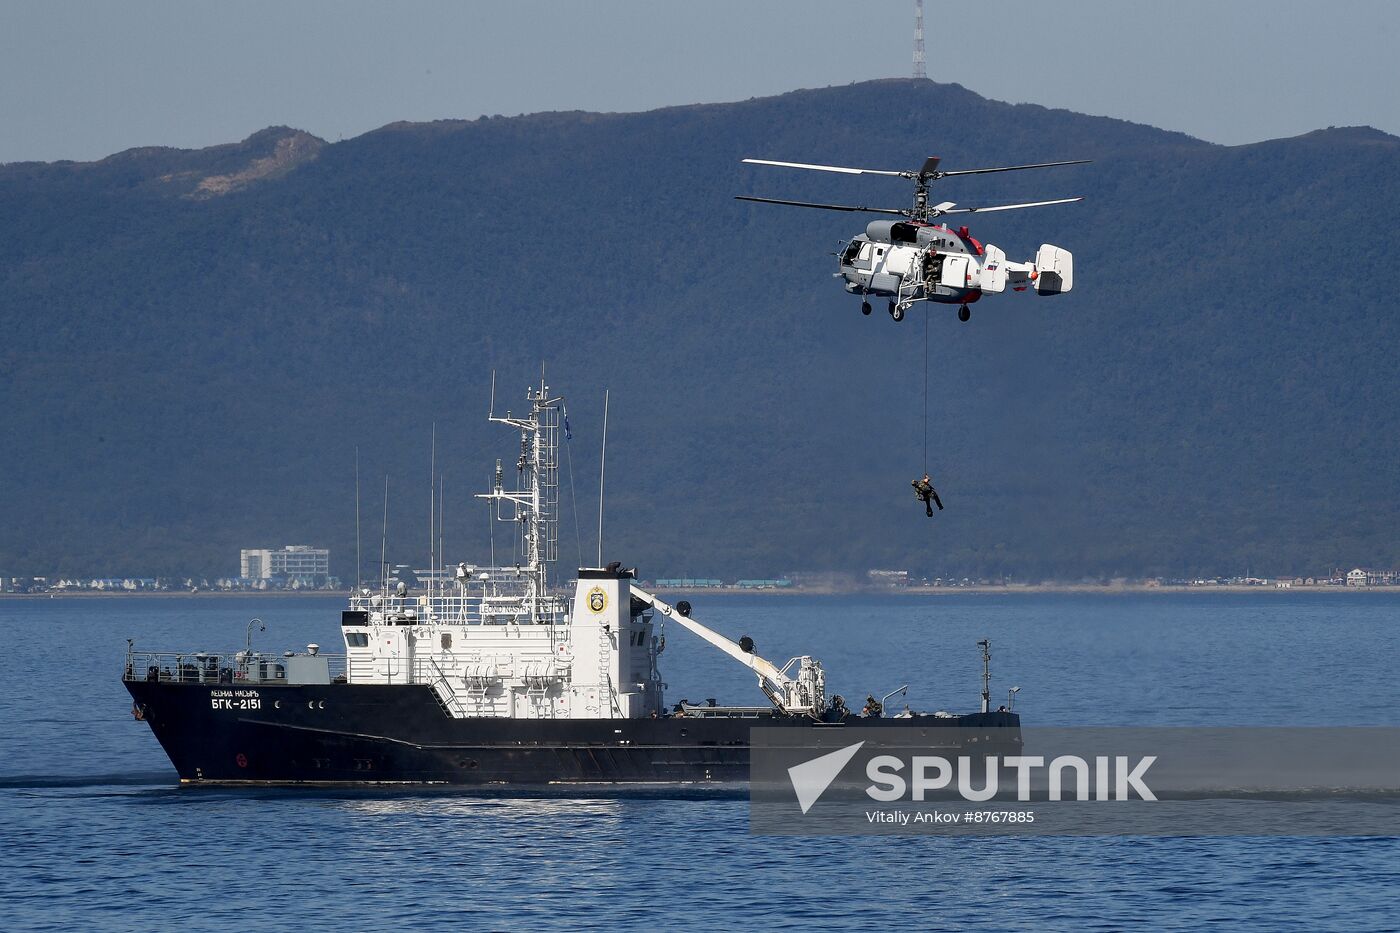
point(81, 79)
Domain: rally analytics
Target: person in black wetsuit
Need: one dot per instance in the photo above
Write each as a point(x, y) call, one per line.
point(923, 488)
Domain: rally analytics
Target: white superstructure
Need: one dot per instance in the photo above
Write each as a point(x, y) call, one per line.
point(496, 642)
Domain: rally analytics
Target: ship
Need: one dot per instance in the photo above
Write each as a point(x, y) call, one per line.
point(496, 675)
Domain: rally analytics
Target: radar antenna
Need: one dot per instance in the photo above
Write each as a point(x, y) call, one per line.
point(534, 504)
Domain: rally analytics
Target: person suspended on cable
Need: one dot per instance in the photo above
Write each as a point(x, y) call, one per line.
point(923, 489)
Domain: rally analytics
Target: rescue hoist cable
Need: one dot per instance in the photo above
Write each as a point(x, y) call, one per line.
point(926, 340)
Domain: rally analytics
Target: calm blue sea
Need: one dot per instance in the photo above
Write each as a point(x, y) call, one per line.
point(95, 834)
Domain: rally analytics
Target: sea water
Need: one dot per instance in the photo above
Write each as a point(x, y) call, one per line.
point(95, 833)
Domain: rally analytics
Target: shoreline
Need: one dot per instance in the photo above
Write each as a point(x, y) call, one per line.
point(1031, 589)
point(934, 591)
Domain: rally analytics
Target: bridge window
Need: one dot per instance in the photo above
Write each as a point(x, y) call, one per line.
point(356, 640)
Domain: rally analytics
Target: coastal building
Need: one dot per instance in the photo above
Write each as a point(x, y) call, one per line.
point(888, 577)
point(298, 561)
point(127, 584)
point(1362, 577)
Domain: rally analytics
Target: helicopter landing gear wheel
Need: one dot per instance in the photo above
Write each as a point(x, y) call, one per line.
point(964, 314)
point(896, 311)
point(865, 308)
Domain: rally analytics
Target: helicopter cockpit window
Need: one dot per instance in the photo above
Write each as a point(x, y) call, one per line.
point(867, 249)
point(852, 251)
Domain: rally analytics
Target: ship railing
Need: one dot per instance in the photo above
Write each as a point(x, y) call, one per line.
point(230, 668)
point(449, 608)
point(710, 711)
point(501, 600)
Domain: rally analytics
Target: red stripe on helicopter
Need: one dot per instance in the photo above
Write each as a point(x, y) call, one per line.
point(966, 237)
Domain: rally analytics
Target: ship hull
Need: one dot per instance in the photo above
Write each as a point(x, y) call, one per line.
point(362, 734)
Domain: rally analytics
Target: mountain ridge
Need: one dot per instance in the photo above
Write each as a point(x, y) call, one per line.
point(191, 376)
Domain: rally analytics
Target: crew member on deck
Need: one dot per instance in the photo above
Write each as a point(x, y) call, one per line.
point(923, 489)
point(874, 709)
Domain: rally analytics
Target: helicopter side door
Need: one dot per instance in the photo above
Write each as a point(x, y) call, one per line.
point(899, 259)
point(956, 271)
point(886, 270)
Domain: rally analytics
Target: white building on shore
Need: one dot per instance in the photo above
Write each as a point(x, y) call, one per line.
point(293, 560)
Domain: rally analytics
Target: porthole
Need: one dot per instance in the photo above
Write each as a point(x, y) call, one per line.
point(276, 704)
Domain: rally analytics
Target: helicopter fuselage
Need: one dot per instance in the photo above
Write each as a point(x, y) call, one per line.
point(913, 259)
point(908, 262)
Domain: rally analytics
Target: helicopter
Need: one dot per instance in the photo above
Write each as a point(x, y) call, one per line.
point(914, 259)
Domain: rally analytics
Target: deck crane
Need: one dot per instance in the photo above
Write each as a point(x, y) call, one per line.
point(800, 695)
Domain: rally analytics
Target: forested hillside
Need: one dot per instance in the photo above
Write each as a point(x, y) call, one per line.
point(195, 344)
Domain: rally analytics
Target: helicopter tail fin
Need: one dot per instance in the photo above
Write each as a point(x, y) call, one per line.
point(1055, 270)
point(993, 277)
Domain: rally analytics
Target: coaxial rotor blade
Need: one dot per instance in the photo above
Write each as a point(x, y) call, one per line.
point(938, 212)
point(826, 168)
point(825, 207)
point(1009, 168)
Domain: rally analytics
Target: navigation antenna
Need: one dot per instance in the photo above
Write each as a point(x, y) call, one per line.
point(986, 647)
point(535, 505)
point(432, 512)
point(359, 564)
point(602, 471)
point(919, 40)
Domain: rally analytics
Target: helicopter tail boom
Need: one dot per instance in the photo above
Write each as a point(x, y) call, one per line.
point(1052, 271)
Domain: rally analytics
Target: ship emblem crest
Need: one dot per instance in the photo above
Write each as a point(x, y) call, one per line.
point(597, 599)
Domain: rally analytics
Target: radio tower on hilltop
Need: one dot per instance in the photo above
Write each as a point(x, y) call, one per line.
point(919, 71)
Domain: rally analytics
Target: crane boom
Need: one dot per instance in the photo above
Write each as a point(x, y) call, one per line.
point(805, 694)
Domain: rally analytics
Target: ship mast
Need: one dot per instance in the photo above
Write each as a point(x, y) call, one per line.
point(534, 504)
